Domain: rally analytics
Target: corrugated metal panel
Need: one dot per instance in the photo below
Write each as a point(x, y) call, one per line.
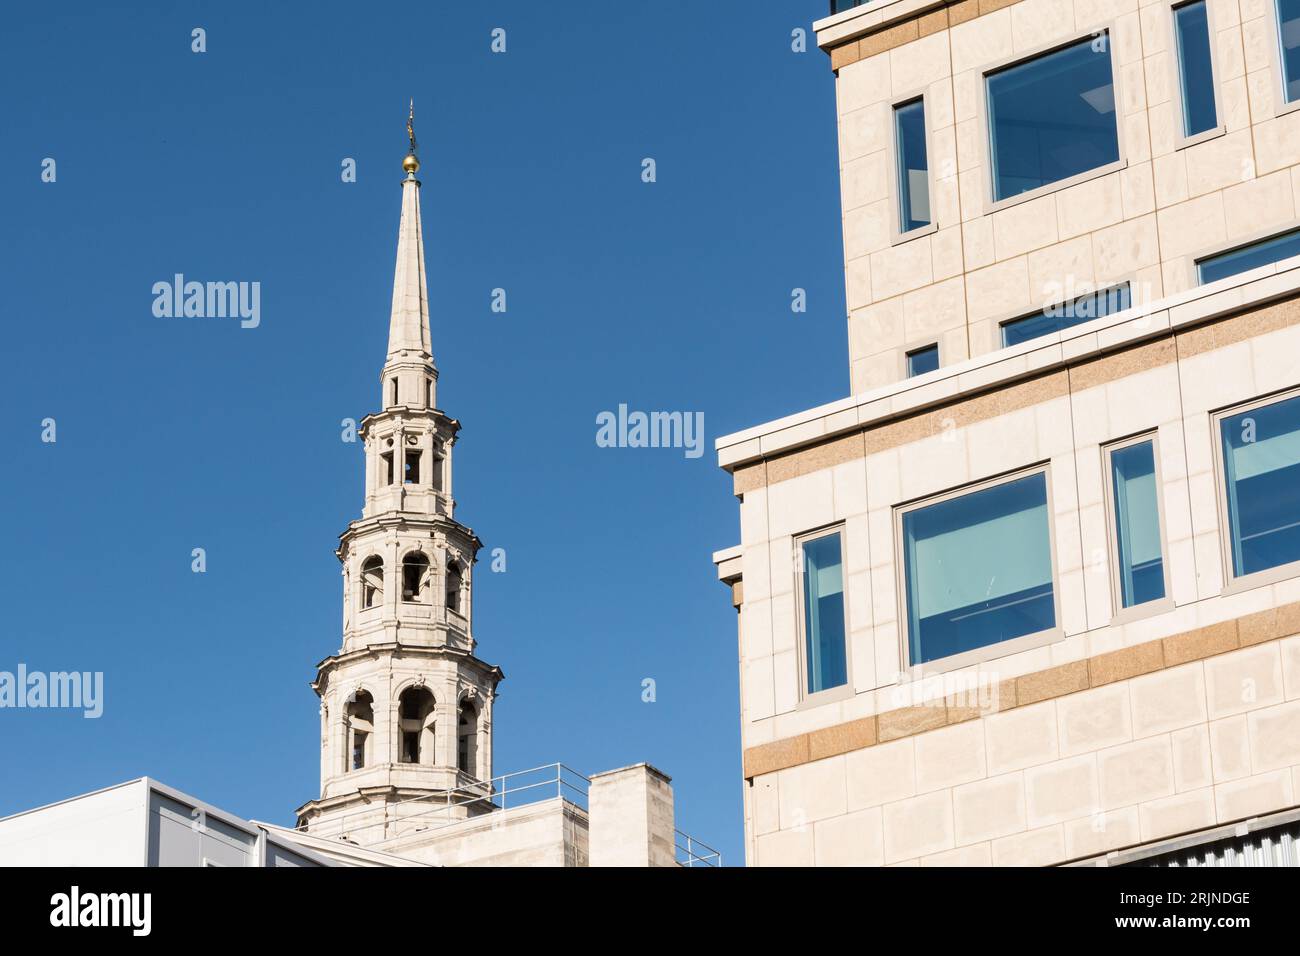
point(1275, 846)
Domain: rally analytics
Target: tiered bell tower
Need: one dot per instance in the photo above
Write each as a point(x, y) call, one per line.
point(406, 706)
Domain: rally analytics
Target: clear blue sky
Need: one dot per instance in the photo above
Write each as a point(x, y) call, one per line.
point(175, 434)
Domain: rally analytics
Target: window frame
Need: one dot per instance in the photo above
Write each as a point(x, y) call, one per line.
point(1234, 583)
point(896, 234)
point(1119, 613)
point(908, 670)
point(999, 322)
point(846, 689)
point(1280, 105)
point(1182, 141)
point(992, 205)
point(909, 351)
point(1262, 235)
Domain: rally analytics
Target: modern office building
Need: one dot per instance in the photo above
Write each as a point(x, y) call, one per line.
point(1030, 593)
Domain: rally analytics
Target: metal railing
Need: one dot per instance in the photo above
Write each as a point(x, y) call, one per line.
point(443, 806)
point(693, 852)
point(566, 781)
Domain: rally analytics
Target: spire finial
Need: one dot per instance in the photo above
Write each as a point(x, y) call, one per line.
point(411, 163)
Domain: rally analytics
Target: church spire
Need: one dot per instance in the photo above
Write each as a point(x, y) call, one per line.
point(406, 706)
point(408, 329)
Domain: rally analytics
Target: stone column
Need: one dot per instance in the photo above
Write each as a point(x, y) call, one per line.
point(467, 595)
point(427, 462)
point(391, 550)
point(485, 738)
point(446, 475)
point(631, 818)
point(348, 564)
point(325, 744)
point(382, 746)
point(369, 446)
point(448, 725)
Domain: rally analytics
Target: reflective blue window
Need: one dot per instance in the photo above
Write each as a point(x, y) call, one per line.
point(1250, 257)
point(823, 614)
point(1057, 317)
point(1261, 463)
point(978, 569)
point(923, 360)
point(1137, 524)
point(1288, 19)
point(913, 169)
point(1195, 75)
point(1052, 117)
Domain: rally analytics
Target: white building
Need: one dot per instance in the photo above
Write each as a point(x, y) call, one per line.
point(144, 823)
point(406, 704)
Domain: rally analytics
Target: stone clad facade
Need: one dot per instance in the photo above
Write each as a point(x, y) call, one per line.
point(1119, 727)
point(1143, 221)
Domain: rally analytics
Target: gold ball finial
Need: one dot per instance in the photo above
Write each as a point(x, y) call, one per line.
point(411, 164)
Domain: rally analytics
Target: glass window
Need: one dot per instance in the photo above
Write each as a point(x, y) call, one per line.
point(1052, 117)
point(1138, 542)
point(1288, 21)
point(913, 170)
point(1257, 254)
point(1261, 465)
point(978, 569)
point(1195, 75)
point(923, 360)
point(1075, 312)
point(825, 661)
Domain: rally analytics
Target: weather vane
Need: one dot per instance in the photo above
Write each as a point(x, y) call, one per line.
point(411, 163)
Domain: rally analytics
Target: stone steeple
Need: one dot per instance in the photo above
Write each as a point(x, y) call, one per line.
point(408, 331)
point(406, 706)
point(409, 367)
